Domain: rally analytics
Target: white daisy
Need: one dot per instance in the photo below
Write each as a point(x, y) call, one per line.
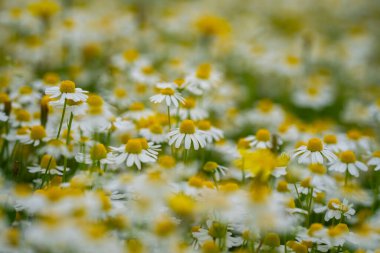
point(47, 164)
point(262, 140)
point(187, 134)
point(375, 160)
point(347, 162)
point(97, 153)
point(154, 133)
point(314, 152)
point(35, 135)
point(335, 209)
point(210, 133)
point(167, 94)
point(202, 79)
point(66, 90)
point(135, 152)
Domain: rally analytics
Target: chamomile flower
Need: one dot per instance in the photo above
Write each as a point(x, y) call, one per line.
point(210, 133)
point(215, 169)
point(47, 164)
point(190, 110)
point(202, 79)
point(56, 148)
point(97, 153)
point(348, 163)
point(262, 139)
point(314, 152)
point(66, 90)
point(137, 111)
point(167, 94)
point(336, 209)
point(187, 135)
point(375, 160)
point(135, 152)
point(331, 142)
point(35, 136)
point(154, 133)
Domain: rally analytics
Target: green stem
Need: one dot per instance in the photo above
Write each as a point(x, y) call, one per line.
point(67, 144)
point(61, 121)
point(170, 125)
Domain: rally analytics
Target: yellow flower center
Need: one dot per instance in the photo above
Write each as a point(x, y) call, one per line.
point(182, 204)
point(263, 135)
point(136, 106)
point(166, 161)
point(189, 103)
point(272, 240)
point(330, 139)
point(210, 167)
point(167, 91)
point(144, 143)
point(23, 115)
point(131, 55)
point(317, 168)
point(156, 129)
point(354, 134)
point(314, 145)
point(282, 186)
point(315, 227)
point(333, 202)
point(37, 132)
point(95, 100)
point(179, 82)
point(120, 92)
point(376, 154)
point(292, 60)
point(67, 86)
point(98, 152)
point(204, 125)
point(312, 91)
point(148, 70)
point(265, 105)
point(73, 103)
point(187, 127)
point(25, 90)
point(348, 156)
point(338, 230)
point(51, 78)
point(203, 71)
point(243, 144)
point(45, 162)
point(133, 146)
point(4, 97)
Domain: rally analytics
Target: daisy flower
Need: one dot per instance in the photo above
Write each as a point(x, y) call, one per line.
point(97, 153)
point(56, 148)
point(137, 111)
point(261, 140)
point(35, 136)
point(331, 142)
point(190, 111)
point(348, 163)
point(66, 90)
point(154, 133)
point(215, 169)
point(186, 135)
point(135, 152)
point(210, 133)
point(375, 160)
point(314, 152)
point(202, 79)
point(47, 164)
point(168, 94)
point(335, 209)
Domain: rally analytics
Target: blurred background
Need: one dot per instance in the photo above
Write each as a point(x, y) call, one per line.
point(318, 59)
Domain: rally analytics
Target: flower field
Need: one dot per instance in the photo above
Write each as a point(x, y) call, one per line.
point(189, 126)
